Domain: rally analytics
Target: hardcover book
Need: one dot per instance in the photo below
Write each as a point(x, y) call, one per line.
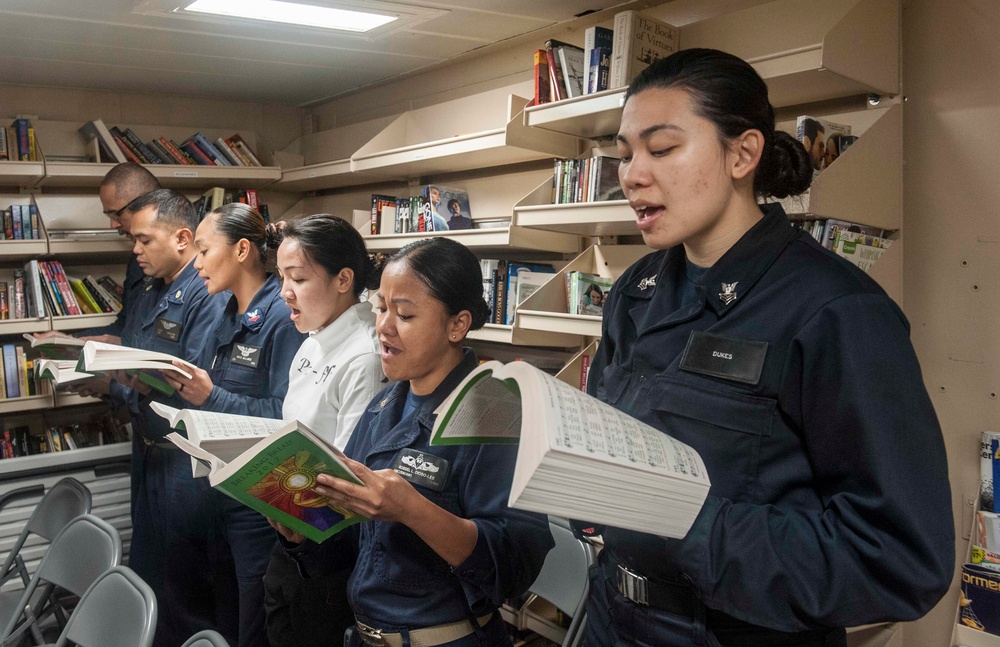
point(277, 477)
point(620, 468)
point(638, 41)
point(587, 293)
point(596, 38)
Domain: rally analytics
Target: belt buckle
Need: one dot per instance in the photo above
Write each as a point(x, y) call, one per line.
point(633, 586)
point(370, 635)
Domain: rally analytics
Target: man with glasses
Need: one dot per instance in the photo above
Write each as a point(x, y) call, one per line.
point(122, 184)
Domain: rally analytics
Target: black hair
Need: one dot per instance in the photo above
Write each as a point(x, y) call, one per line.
point(171, 208)
point(235, 221)
point(130, 180)
point(811, 128)
point(727, 91)
point(452, 274)
point(454, 201)
point(333, 244)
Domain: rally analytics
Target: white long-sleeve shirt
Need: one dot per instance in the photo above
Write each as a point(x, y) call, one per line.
point(335, 374)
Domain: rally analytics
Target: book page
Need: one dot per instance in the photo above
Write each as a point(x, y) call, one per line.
point(588, 427)
point(482, 410)
point(212, 462)
point(211, 425)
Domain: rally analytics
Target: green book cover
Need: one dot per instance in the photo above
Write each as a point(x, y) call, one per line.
point(277, 477)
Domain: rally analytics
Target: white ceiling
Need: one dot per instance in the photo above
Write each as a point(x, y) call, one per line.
point(141, 45)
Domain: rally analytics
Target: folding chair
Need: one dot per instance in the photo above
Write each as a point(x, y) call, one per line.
point(563, 580)
point(86, 548)
point(64, 501)
point(206, 638)
point(118, 610)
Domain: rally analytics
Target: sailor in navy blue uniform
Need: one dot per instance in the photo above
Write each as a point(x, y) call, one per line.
point(442, 550)
point(248, 354)
point(172, 526)
point(789, 370)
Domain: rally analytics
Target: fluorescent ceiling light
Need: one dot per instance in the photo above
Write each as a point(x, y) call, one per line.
point(293, 14)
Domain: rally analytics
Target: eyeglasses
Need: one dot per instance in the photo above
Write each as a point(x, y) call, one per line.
point(115, 214)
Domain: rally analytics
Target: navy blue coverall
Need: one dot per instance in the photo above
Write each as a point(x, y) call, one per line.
point(172, 520)
point(247, 357)
point(399, 583)
point(791, 372)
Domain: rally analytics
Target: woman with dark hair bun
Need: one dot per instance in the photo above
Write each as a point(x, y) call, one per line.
point(336, 372)
point(442, 550)
point(787, 368)
point(247, 356)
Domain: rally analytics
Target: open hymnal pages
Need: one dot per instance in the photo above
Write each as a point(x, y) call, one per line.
point(225, 435)
point(277, 477)
point(52, 339)
point(59, 371)
point(577, 456)
point(98, 357)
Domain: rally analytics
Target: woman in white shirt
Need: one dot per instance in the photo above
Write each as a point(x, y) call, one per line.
point(324, 267)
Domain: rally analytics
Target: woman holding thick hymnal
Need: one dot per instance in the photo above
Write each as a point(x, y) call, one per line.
point(786, 368)
point(325, 269)
point(245, 371)
point(442, 550)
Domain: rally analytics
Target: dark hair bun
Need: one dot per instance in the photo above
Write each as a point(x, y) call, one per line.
point(274, 235)
point(784, 170)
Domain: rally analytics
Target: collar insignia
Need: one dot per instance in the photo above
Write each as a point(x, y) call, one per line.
point(728, 294)
point(177, 294)
point(648, 282)
point(253, 316)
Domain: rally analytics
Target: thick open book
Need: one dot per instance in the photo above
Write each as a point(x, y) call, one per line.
point(225, 435)
point(277, 476)
point(98, 357)
point(59, 371)
point(577, 456)
point(52, 339)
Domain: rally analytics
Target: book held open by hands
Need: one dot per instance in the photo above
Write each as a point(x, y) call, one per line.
point(577, 456)
point(98, 357)
point(275, 475)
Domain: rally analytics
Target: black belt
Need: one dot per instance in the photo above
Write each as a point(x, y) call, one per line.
point(672, 598)
point(161, 444)
point(680, 599)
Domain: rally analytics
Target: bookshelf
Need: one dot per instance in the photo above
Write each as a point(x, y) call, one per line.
point(21, 174)
point(505, 239)
point(832, 50)
point(60, 140)
point(54, 461)
point(589, 219)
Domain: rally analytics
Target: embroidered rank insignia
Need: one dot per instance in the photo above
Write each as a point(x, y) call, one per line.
point(728, 294)
point(245, 355)
point(253, 316)
point(166, 329)
point(648, 282)
point(421, 468)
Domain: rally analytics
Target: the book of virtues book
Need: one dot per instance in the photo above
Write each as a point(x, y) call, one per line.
point(98, 357)
point(577, 456)
point(276, 477)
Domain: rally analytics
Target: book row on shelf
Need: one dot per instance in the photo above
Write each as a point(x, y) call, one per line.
point(437, 208)
point(17, 142)
point(20, 222)
point(979, 598)
point(506, 284)
point(218, 196)
point(860, 244)
point(588, 179)
point(101, 427)
point(123, 145)
point(610, 58)
point(43, 287)
point(19, 377)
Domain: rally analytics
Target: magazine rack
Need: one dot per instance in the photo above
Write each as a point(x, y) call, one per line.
point(323, 160)
point(425, 142)
point(837, 49)
point(547, 309)
point(575, 371)
point(609, 218)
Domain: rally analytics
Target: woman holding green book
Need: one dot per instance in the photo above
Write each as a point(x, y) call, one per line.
point(441, 550)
